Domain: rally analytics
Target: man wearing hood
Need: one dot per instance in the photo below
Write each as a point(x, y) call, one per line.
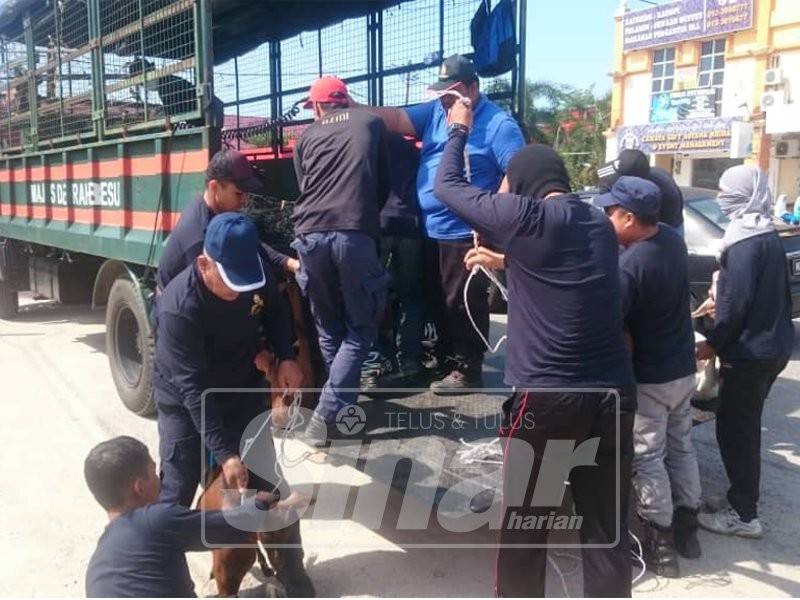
point(567, 360)
point(753, 336)
point(634, 163)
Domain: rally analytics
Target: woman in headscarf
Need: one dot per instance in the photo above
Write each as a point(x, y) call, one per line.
point(753, 336)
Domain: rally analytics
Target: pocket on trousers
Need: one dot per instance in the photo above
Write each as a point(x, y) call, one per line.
point(184, 451)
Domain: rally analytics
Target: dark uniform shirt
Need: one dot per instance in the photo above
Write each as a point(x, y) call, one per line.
point(654, 275)
point(671, 197)
point(185, 243)
point(342, 169)
point(141, 554)
point(753, 309)
point(203, 341)
point(400, 216)
point(564, 305)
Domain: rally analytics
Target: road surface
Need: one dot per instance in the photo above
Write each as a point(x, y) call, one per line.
point(59, 400)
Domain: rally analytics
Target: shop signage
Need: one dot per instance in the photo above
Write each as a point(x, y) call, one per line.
point(685, 20)
point(698, 136)
point(682, 105)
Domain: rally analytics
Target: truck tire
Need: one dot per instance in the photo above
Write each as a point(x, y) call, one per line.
point(129, 345)
point(9, 302)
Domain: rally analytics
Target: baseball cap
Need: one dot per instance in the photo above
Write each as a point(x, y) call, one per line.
point(631, 163)
point(454, 70)
point(634, 194)
point(233, 166)
point(232, 242)
point(327, 89)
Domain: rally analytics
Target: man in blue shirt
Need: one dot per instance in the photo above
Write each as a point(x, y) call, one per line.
point(494, 139)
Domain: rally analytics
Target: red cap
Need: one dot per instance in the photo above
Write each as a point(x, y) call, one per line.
point(327, 89)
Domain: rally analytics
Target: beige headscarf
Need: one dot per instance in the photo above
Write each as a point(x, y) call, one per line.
point(745, 199)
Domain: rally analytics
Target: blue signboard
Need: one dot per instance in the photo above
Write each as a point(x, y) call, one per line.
point(681, 137)
point(685, 20)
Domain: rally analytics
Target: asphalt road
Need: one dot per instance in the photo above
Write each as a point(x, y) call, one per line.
point(59, 400)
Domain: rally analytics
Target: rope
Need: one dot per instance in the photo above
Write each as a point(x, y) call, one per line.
point(638, 557)
point(295, 421)
point(503, 292)
point(480, 453)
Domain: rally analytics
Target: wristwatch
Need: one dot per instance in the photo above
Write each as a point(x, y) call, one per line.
point(453, 127)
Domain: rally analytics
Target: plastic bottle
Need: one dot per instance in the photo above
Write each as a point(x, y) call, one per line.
point(797, 207)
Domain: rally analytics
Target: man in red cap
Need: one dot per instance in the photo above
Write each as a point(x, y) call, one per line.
point(342, 171)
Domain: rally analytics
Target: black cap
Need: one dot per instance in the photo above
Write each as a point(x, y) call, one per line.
point(454, 70)
point(233, 166)
point(630, 163)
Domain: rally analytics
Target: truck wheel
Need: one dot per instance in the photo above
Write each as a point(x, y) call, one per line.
point(129, 345)
point(8, 301)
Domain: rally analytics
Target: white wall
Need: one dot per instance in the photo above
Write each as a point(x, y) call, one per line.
point(685, 175)
point(637, 99)
point(737, 89)
point(790, 63)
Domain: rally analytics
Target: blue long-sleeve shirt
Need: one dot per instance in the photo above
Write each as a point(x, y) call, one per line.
point(204, 342)
point(564, 306)
point(753, 307)
point(141, 554)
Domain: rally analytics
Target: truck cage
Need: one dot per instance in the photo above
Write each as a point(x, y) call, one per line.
point(74, 72)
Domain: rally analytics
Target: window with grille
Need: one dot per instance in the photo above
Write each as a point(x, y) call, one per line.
point(712, 68)
point(663, 70)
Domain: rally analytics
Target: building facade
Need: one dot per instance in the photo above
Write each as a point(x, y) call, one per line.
point(701, 85)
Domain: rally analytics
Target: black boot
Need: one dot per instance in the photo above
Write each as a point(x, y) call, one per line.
point(684, 523)
point(658, 550)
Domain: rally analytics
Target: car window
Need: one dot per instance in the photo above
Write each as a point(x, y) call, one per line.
point(709, 208)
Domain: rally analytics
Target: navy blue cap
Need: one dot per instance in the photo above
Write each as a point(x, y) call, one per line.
point(232, 242)
point(634, 194)
point(230, 165)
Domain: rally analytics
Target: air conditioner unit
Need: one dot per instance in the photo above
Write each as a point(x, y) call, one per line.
point(773, 99)
point(787, 149)
point(773, 77)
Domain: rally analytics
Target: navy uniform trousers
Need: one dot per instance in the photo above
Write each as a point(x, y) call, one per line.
point(184, 462)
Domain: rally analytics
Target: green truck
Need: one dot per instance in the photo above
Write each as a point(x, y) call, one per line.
point(111, 109)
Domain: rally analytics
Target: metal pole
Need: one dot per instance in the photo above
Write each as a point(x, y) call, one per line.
point(33, 100)
point(522, 79)
point(142, 60)
point(98, 69)
point(236, 83)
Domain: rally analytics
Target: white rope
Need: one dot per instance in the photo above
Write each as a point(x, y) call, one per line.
point(554, 564)
point(503, 292)
point(295, 421)
point(638, 557)
point(480, 453)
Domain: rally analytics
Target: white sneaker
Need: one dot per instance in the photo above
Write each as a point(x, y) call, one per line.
point(728, 522)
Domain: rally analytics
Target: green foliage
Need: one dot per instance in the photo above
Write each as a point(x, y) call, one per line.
point(571, 120)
